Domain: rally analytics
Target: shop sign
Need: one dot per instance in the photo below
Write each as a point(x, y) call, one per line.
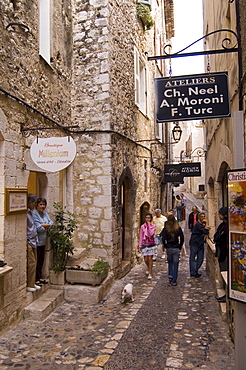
point(175, 173)
point(192, 97)
point(236, 180)
point(54, 153)
point(15, 200)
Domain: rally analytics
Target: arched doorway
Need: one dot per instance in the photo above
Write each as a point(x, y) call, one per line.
point(127, 207)
point(145, 207)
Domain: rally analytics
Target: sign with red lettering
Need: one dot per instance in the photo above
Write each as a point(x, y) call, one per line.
point(236, 180)
point(53, 153)
point(192, 97)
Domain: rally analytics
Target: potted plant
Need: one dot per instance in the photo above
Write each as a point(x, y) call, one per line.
point(61, 237)
point(144, 13)
point(92, 276)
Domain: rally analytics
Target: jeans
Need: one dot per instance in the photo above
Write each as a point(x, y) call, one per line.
point(158, 240)
point(173, 263)
point(179, 213)
point(196, 259)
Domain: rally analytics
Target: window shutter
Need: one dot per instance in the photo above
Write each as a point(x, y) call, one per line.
point(44, 29)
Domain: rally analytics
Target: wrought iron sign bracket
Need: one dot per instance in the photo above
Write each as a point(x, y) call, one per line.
point(227, 47)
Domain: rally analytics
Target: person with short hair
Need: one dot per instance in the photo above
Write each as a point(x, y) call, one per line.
point(159, 221)
point(178, 206)
point(31, 245)
point(193, 218)
point(43, 224)
point(221, 243)
point(197, 240)
point(183, 210)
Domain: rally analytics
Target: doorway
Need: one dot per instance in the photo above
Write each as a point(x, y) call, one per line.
point(127, 202)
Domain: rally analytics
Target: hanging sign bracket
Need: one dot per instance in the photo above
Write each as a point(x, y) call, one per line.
point(227, 47)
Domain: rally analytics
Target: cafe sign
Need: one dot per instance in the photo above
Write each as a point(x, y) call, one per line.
point(54, 153)
point(192, 97)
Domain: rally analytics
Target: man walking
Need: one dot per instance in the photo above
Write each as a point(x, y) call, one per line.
point(197, 239)
point(193, 218)
point(183, 211)
point(159, 221)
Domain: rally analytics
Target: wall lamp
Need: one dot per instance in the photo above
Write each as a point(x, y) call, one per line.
point(176, 133)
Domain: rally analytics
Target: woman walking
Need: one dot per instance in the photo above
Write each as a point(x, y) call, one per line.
point(173, 240)
point(43, 223)
point(147, 243)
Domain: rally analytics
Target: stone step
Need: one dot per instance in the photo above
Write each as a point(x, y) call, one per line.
point(44, 305)
point(79, 254)
point(87, 293)
point(33, 296)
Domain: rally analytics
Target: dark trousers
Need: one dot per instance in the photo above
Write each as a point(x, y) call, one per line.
point(40, 261)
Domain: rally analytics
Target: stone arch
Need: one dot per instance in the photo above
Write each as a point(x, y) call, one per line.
point(127, 198)
point(222, 183)
point(145, 208)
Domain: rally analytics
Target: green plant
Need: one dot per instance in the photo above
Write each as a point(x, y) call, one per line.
point(100, 267)
point(61, 236)
point(143, 12)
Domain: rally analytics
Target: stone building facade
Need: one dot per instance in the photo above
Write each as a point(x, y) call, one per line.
point(224, 136)
point(80, 69)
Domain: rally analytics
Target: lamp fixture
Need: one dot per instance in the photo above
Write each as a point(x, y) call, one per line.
point(176, 133)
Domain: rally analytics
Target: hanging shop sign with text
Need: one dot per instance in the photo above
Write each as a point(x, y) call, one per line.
point(192, 97)
point(53, 153)
point(175, 173)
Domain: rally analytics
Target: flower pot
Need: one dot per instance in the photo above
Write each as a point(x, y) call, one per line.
point(84, 277)
point(57, 278)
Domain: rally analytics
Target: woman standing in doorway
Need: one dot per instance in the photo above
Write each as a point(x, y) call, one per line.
point(173, 240)
point(43, 223)
point(147, 243)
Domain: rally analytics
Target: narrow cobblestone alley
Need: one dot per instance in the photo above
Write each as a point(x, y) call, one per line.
point(165, 328)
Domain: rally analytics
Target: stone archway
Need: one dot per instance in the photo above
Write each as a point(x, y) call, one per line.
point(223, 182)
point(145, 207)
point(127, 214)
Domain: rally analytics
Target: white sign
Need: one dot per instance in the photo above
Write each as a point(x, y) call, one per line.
point(54, 153)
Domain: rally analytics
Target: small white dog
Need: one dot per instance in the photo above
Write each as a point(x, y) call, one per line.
point(127, 293)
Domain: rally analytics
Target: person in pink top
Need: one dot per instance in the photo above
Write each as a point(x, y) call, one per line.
point(147, 244)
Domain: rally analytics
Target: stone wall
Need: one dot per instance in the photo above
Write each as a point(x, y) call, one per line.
point(103, 106)
point(89, 83)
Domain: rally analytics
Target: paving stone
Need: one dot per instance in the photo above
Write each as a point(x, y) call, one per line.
point(165, 328)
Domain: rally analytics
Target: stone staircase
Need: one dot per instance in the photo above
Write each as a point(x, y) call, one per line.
point(43, 302)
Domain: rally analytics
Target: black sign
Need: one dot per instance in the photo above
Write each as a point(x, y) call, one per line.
point(176, 172)
point(192, 97)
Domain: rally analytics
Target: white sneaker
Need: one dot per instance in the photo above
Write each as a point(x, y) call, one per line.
point(154, 258)
point(163, 256)
point(37, 287)
point(30, 289)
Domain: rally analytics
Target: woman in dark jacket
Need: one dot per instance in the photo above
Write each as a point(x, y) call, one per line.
point(173, 240)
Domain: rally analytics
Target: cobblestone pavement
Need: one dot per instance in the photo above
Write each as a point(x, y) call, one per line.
point(165, 328)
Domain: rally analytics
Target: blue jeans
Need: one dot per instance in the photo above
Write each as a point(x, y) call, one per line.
point(196, 259)
point(179, 213)
point(173, 263)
